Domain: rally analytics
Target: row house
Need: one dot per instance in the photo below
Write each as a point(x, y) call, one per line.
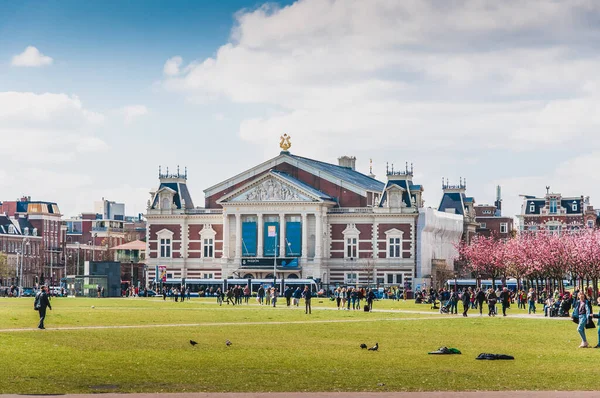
point(292, 216)
point(491, 222)
point(20, 244)
point(556, 213)
point(45, 218)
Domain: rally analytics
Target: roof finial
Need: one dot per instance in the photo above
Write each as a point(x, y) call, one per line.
point(547, 189)
point(412, 169)
point(167, 170)
point(387, 168)
point(159, 173)
point(285, 143)
point(371, 166)
point(465, 181)
point(177, 170)
point(392, 168)
point(186, 172)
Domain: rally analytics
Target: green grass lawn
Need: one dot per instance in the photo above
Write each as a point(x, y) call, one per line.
point(279, 349)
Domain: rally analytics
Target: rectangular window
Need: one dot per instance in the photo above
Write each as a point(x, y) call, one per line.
point(503, 228)
point(208, 248)
point(554, 229)
point(553, 208)
point(351, 277)
point(590, 224)
point(207, 276)
point(574, 207)
point(390, 278)
point(532, 208)
point(351, 247)
point(165, 248)
point(482, 225)
point(395, 248)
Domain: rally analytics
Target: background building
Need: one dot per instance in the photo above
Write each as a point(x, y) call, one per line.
point(490, 221)
point(556, 213)
point(39, 223)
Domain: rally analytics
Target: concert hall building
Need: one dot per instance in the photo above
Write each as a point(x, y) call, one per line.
point(312, 219)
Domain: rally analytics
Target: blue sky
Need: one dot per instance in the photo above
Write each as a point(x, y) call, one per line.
point(499, 93)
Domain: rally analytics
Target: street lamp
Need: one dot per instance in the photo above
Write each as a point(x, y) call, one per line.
point(24, 242)
point(78, 250)
point(94, 247)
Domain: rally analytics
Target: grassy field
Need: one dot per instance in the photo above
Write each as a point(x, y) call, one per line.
point(88, 349)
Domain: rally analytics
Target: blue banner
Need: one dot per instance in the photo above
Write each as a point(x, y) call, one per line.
point(249, 239)
point(293, 230)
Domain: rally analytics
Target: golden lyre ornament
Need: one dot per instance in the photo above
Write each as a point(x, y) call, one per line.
point(285, 143)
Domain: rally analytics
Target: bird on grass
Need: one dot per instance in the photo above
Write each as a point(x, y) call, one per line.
point(227, 343)
point(375, 347)
point(193, 343)
point(363, 346)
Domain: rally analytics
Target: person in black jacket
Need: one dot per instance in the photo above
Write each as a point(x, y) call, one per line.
point(505, 298)
point(287, 293)
point(466, 300)
point(480, 298)
point(41, 303)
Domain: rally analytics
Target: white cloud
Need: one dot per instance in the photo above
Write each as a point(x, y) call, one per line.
point(132, 112)
point(31, 57)
point(480, 74)
point(46, 128)
point(172, 65)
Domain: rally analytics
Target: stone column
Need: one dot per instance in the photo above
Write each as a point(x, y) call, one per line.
point(318, 234)
point(238, 236)
point(282, 241)
point(304, 236)
point(260, 233)
point(225, 236)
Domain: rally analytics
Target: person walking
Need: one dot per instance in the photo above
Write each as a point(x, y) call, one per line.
point(466, 300)
point(492, 299)
point(583, 311)
point(344, 297)
point(370, 298)
point(219, 296)
point(454, 302)
point(297, 296)
point(531, 299)
point(247, 294)
point(307, 297)
point(288, 293)
point(261, 294)
point(338, 297)
point(480, 298)
point(268, 296)
point(349, 297)
point(274, 296)
point(505, 298)
point(40, 303)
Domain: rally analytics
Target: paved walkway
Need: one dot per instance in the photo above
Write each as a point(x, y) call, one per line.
point(437, 394)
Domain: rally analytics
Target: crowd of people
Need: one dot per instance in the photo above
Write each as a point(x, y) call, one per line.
point(346, 297)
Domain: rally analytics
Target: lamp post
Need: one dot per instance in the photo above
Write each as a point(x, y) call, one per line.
point(77, 267)
point(24, 242)
point(94, 247)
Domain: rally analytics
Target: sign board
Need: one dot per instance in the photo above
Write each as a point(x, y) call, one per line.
point(268, 262)
point(272, 231)
point(162, 273)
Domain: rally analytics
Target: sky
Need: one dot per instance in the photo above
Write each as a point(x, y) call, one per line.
point(94, 96)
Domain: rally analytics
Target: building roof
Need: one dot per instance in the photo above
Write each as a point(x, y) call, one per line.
point(343, 173)
point(302, 185)
point(181, 192)
point(453, 200)
point(135, 245)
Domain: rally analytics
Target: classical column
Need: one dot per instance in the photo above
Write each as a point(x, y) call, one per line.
point(318, 234)
point(259, 245)
point(282, 241)
point(238, 236)
point(304, 236)
point(225, 235)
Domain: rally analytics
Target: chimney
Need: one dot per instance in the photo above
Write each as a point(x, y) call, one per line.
point(498, 201)
point(348, 161)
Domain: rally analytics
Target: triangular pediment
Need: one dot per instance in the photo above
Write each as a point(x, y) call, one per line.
point(270, 188)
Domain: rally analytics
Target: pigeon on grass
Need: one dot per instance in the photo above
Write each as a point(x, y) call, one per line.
point(375, 347)
point(363, 346)
point(227, 343)
point(193, 343)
